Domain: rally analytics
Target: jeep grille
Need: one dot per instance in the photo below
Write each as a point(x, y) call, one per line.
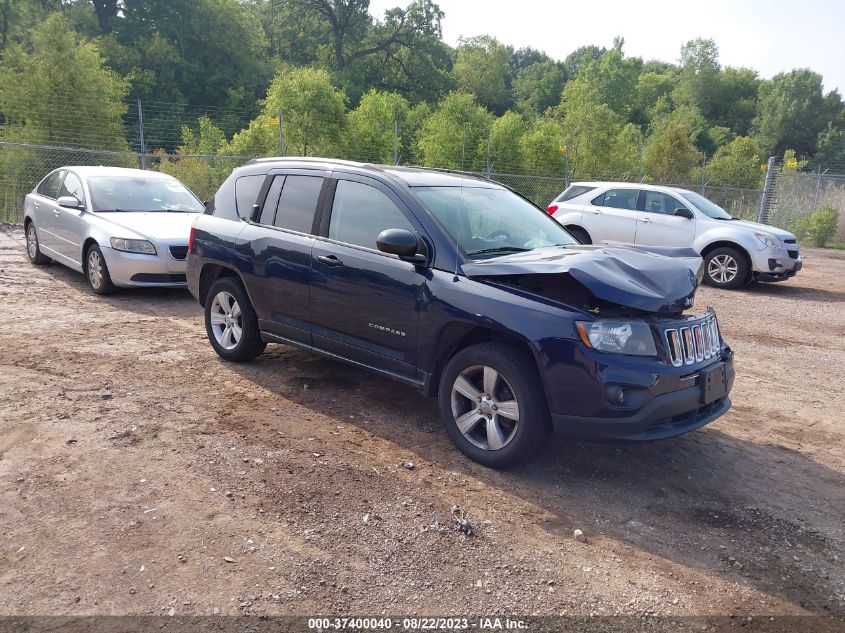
point(694, 340)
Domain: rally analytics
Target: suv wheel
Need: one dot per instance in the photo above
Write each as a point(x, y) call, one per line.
point(32, 249)
point(725, 268)
point(230, 322)
point(97, 271)
point(492, 404)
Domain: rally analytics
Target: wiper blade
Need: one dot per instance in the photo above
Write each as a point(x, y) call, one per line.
point(499, 249)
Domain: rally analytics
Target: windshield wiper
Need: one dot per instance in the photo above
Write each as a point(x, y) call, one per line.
point(500, 249)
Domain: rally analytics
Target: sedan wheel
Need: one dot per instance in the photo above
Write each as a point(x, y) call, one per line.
point(226, 324)
point(32, 249)
point(484, 408)
point(98, 271)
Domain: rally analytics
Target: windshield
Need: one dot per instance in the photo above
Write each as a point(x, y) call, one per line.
point(708, 208)
point(132, 193)
point(488, 222)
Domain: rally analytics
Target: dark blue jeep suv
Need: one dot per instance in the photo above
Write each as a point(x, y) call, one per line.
point(465, 290)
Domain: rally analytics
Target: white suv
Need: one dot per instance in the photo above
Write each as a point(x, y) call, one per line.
point(735, 252)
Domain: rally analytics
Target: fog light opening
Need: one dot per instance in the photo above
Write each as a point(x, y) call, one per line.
point(616, 394)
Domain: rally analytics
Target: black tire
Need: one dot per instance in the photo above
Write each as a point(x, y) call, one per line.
point(726, 267)
point(579, 234)
point(521, 383)
point(240, 314)
point(97, 271)
point(33, 249)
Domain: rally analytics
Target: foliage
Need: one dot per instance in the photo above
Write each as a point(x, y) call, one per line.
point(538, 87)
point(455, 135)
point(482, 69)
point(670, 154)
point(818, 228)
point(506, 143)
point(737, 164)
point(370, 128)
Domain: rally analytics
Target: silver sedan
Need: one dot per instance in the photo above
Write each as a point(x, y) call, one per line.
point(119, 227)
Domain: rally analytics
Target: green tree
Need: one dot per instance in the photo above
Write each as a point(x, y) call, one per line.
point(313, 111)
point(60, 92)
point(670, 154)
point(455, 134)
point(735, 107)
point(612, 79)
point(541, 148)
point(538, 87)
point(831, 145)
point(698, 81)
point(506, 142)
point(370, 127)
point(482, 69)
point(791, 112)
point(737, 164)
point(654, 92)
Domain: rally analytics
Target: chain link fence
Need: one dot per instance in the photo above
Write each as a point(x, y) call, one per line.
point(22, 166)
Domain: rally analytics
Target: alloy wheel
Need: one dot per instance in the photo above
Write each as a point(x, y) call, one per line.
point(31, 241)
point(722, 269)
point(95, 269)
point(226, 321)
point(485, 408)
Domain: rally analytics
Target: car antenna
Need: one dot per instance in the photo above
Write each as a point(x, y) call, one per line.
point(455, 276)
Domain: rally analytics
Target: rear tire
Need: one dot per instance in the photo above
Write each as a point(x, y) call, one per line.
point(726, 268)
point(492, 404)
point(579, 234)
point(97, 271)
point(231, 322)
point(33, 250)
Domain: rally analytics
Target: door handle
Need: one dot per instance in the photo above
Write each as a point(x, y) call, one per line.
point(56, 212)
point(329, 260)
point(595, 211)
point(645, 220)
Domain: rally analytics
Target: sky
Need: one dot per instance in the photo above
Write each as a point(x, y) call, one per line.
point(769, 36)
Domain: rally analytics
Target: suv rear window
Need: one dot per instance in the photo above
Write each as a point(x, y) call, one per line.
point(573, 192)
point(298, 203)
point(246, 193)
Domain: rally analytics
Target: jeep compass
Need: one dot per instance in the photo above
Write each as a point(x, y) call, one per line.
point(463, 289)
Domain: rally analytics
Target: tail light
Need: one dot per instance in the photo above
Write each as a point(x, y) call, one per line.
point(551, 209)
point(191, 239)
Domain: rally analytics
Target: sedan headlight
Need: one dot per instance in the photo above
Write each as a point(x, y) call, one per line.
point(133, 246)
point(618, 336)
point(768, 239)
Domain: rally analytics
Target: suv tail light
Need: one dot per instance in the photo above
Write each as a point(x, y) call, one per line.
point(191, 239)
point(551, 209)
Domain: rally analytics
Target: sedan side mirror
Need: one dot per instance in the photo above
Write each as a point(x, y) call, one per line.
point(69, 202)
point(401, 242)
point(684, 213)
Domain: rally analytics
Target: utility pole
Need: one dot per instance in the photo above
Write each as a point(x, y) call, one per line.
point(143, 145)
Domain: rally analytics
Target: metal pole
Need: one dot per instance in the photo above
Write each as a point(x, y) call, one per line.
point(141, 135)
point(566, 165)
point(281, 134)
point(489, 151)
point(818, 187)
point(395, 142)
point(703, 172)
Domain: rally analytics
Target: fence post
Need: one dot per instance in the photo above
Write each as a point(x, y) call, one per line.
point(488, 166)
point(703, 172)
point(566, 165)
point(395, 141)
point(818, 188)
point(143, 145)
point(768, 197)
point(281, 134)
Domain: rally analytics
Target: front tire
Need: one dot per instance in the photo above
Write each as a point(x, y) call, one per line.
point(726, 268)
point(231, 323)
point(97, 271)
point(492, 404)
point(33, 250)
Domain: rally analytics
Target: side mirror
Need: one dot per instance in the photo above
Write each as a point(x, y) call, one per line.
point(684, 213)
point(401, 242)
point(69, 202)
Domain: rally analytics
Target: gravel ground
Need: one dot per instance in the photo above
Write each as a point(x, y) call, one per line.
point(139, 474)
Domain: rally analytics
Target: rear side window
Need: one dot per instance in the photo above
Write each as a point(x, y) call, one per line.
point(360, 212)
point(268, 211)
point(50, 186)
point(573, 192)
point(246, 193)
point(620, 199)
point(298, 203)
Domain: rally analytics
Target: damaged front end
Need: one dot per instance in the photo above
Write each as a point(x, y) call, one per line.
point(601, 279)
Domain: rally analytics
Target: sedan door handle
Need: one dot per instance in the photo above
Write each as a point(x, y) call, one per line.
point(329, 260)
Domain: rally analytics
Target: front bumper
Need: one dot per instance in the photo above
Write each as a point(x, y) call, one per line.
point(131, 270)
point(776, 264)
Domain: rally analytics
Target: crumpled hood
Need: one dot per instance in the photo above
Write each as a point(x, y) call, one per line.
point(163, 226)
point(662, 280)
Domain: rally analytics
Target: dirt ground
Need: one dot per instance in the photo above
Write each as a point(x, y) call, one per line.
point(139, 474)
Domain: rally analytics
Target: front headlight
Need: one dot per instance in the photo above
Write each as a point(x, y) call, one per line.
point(618, 336)
point(133, 246)
point(768, 239)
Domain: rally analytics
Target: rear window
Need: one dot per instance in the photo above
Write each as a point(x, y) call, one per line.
point(573, 192)
point(298, 203)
